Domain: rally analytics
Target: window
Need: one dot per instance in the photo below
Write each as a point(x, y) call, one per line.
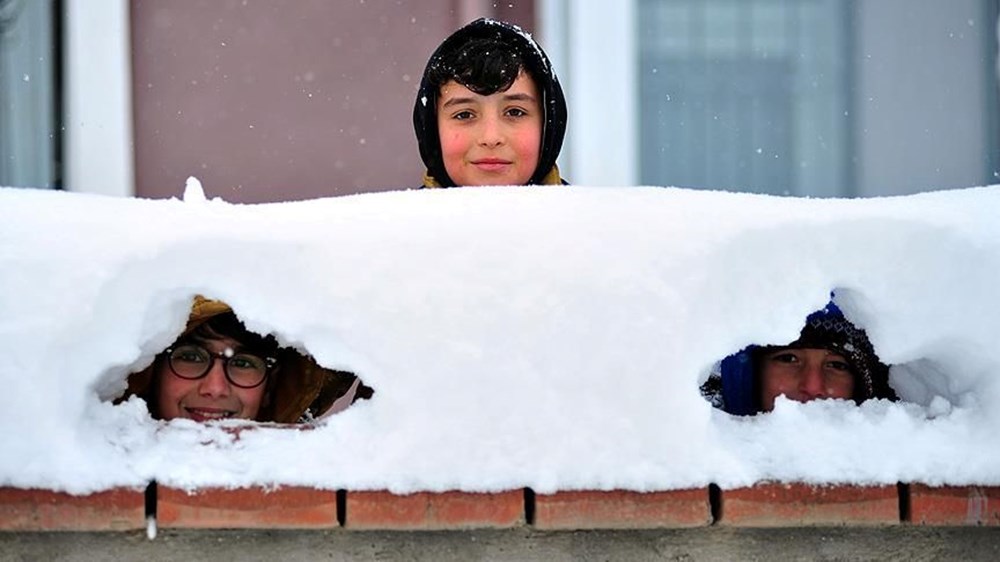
point(30, 116)
point(748, 95)
point(800, 97)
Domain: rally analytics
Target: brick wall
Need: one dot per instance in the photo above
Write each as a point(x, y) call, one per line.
point(763, 505)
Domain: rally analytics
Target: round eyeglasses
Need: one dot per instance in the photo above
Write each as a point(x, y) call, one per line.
point(192, 361)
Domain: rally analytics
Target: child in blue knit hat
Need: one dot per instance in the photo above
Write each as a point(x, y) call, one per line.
point(832, 358)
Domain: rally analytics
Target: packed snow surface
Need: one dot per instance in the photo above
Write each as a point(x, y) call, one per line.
point(545, 337)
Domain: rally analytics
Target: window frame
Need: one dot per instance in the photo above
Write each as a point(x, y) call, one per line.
point(97, 80)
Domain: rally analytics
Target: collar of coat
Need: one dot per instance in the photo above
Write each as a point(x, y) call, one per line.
point(551, 178)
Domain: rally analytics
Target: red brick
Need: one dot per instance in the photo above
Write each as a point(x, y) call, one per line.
point(45, 510)
point(246, 508)
point(955, 505)
point(619, 509)
point(792, 505)
point(426, 510)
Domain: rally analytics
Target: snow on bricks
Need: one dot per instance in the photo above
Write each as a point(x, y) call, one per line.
point(572, 365)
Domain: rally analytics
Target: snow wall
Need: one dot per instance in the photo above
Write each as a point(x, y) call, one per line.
point(545, 337)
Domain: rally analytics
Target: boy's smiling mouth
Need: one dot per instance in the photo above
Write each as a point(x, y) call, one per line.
point(491, 164)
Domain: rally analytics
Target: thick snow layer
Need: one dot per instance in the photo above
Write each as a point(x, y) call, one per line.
point(545, 337)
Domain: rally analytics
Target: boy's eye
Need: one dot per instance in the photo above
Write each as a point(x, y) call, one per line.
point(838, 365)
point(784, 357)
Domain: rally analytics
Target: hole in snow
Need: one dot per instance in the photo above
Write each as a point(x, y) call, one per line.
point(830, 358)
point(218, 369)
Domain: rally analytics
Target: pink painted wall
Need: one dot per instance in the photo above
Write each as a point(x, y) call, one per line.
point(266, 100)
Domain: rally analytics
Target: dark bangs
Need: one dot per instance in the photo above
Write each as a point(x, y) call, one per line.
point(485, 66)
point(227, 325)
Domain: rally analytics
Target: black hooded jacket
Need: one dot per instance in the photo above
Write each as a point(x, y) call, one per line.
point(535, 63)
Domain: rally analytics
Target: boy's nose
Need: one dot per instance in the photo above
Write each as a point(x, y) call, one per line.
point(812, 384)
point(490, 134)
point(214, 383)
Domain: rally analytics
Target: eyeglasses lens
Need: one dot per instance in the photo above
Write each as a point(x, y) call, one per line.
point(194, 361)
point(246, 370)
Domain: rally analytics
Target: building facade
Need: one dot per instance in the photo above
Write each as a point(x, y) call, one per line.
point(266, 101)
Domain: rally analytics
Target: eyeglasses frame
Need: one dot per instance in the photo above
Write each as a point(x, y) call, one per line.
point(269, 362)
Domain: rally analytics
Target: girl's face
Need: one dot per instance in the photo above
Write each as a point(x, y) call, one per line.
point(211, 397)
point(490, 140)
point(803, 375)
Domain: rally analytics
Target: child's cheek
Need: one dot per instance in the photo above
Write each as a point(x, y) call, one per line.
point(453, 144)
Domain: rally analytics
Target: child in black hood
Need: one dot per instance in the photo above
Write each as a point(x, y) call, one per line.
point(490, 110)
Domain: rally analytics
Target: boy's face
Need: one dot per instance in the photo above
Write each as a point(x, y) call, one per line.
point(490, 140)
point(804, 374)
point(210, 397)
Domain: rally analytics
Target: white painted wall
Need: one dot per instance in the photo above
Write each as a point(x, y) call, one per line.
point(98, 120)
point(592, 44)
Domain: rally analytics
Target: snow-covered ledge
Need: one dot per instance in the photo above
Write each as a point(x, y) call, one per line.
point(546, 337)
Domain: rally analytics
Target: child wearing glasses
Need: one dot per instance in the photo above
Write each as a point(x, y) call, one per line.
point(489, 110)
point(217, 369)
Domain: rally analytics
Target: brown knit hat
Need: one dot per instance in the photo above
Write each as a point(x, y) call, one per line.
point(203, 310)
